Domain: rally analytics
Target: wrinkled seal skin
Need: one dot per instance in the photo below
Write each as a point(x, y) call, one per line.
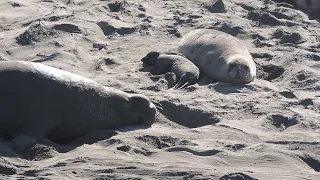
point(38, 101)
point(185, 70)
point(218, 55)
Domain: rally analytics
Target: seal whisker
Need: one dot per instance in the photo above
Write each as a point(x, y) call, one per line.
point(185, 85)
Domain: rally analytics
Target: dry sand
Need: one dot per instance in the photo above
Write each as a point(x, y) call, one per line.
point(268, 129)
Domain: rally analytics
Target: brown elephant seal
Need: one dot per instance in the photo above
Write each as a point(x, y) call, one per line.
point(185, 70)
point(218, 55)
point(38, 101)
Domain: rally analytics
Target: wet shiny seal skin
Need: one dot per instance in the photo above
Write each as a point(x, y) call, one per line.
point(39, 101)
point(218, 55)
point(186, 71)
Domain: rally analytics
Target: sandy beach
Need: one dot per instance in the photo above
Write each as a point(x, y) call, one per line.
point(268, 129)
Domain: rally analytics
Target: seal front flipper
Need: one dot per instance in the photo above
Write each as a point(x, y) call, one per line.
point(185, 81)
point(23, 141)
point(184, 85)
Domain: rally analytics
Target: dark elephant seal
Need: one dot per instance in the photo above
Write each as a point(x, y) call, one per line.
point(305, 4)
point(38, 101)
point(218, 55)
point(185, 70)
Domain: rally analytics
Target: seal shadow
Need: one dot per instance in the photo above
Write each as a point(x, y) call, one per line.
point(169, 77)
point(186, 116)
point(228, 88)
point(46, 148)
point(5, 148)
point(204, 80)
point(221, 87)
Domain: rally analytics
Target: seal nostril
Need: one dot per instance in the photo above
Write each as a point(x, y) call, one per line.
point(238, 75)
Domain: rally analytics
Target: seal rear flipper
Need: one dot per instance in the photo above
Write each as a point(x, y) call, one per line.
point(23, 141)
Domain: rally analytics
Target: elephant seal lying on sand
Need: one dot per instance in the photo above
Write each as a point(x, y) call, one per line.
point(173, 62)
point(218, 55)
point(38, 101)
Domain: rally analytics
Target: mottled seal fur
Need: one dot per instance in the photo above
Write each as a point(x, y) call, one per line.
point(39, 101)
point(218, 55)
point(185, 70)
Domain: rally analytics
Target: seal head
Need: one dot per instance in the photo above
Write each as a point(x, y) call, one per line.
point(143, 109)
point(239, 70)
point(151, 58)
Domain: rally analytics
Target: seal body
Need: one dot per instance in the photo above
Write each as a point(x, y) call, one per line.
point(305, 4)
point(187, 72)
point(39, 101)
point(218, 55)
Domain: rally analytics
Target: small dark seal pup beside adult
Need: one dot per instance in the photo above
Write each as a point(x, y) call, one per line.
point(218, 55)
point(38, 101)
point(187, 72)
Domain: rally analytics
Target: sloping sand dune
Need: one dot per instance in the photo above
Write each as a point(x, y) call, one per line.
point(267, 129)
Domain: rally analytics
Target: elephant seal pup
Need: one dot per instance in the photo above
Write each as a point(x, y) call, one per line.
point(38, 101)
point(176, 63)
point(218, 55)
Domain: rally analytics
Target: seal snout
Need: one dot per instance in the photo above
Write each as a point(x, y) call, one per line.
point(144, 108)
point(239, 73)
